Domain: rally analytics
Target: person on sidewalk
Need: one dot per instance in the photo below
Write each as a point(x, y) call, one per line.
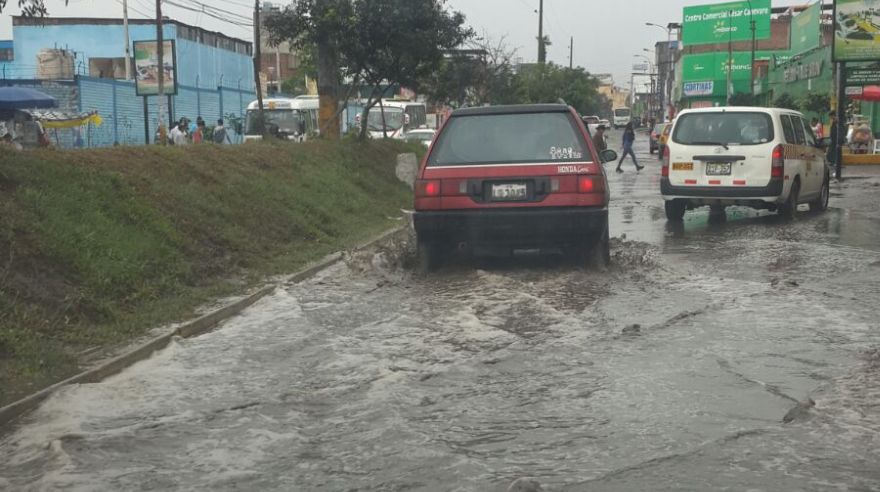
point(220, 135)
point(599, 139)
point(834, 145)
point(629, 138)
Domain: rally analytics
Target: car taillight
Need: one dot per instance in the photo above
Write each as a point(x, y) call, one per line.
point(586, 184)
point(427, 187)
point(777, 166)
point(664, 171)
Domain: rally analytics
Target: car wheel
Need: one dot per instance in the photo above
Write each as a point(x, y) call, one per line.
point(675, 210)
point(428, 256)
point(789, 208)
point(821, 204)
point(599, 254)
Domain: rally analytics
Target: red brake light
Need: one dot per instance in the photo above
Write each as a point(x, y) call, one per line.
point(585, 184)
point(777, 168)
point(428, 187)
point(664, 171)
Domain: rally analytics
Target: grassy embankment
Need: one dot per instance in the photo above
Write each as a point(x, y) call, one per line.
point(98, 246)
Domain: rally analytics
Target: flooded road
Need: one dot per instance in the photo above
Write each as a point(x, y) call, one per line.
point(734, 353)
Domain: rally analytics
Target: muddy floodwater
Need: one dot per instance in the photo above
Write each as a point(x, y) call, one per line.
point(737, 352)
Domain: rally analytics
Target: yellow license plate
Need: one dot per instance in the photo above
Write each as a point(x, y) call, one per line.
point(682, 166)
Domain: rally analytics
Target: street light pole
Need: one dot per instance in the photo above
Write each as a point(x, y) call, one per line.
point(542, 52)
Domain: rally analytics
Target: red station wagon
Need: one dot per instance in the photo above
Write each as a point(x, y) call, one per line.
point(508, 178)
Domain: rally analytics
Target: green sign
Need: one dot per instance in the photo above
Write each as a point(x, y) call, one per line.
point(805, 29)
point(862, 76)
point(725, 22)
point(856, 31)
point(713, 66)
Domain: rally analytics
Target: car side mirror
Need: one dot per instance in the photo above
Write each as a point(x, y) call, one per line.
point(608, 155)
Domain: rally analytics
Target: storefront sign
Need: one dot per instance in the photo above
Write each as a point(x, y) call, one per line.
point(705, 88)
point(805, 29)
point(146, 63)
point(856, 31)
point(854, 91)
point(803, 72)
point(723, 22)
point(862, 76)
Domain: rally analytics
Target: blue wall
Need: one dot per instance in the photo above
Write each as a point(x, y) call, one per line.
point(197, 64)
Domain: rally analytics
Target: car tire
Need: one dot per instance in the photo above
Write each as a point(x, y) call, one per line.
point(788, 210)
point(820, 204)
point(675, 210)
point(428, 256)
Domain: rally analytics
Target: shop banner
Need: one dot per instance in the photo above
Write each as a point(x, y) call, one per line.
point(713, 66)
point(862, 76)
point(146, 63)
point(805, 33)
point(691, 89)
point(723, 22)
point(856, 31)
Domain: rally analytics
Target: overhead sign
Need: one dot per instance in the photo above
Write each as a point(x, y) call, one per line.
point(714, 66)
point(146, 64)
point(640, 67)
point(856, 31)
point(862, 76)
point(805, 34)
point(705, 88)
point(723, 22)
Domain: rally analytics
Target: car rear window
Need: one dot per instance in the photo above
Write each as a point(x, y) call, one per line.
point(729, 127)
point(509, 138)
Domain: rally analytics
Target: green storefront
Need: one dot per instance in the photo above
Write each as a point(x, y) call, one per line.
point(810, 73)
point(704, 76)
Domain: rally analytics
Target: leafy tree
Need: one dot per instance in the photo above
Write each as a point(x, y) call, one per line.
point(816, 103)
point(382, 43)
point(785, 100)
point(30, 8)
point(549, 83)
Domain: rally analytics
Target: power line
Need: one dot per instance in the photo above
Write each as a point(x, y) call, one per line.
point(135, 10)
point(209, 13)
point(211, 7)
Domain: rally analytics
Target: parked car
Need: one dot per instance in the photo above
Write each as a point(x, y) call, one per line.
point(654, 138)
point(504, 178)
point(764, 158)
point(606, 123)
point(592, 123)
point(422, 135)
point(663, 138)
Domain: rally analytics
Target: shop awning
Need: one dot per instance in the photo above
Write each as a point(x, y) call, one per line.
point(869, 93)
point(24, 98)
point(59, 119)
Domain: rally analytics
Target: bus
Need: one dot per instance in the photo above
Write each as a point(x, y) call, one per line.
point(395, 117)
point(293, 118)
point(621, 116)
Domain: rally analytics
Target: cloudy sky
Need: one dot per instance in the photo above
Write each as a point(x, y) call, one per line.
point(607, 34)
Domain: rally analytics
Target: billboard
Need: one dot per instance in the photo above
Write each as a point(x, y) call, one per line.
point(713, 66)
point(723, 22)
point(856, 29)
point(805, 34)
point(146, 66)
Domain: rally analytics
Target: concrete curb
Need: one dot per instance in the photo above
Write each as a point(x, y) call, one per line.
point(198, 326)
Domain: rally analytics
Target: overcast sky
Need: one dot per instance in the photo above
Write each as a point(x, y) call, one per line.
point(607, 34)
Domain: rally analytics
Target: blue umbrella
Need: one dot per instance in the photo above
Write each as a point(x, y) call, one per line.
point(24, 98)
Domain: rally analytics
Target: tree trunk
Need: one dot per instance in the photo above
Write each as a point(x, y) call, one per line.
point(328, 82)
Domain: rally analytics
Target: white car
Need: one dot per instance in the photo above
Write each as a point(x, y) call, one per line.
point(764, 158)
point(423, 135)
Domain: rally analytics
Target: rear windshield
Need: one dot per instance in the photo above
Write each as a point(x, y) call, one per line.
point(509, 138)
point(723, 128)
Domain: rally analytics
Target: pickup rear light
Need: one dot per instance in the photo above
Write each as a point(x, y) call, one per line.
point(428, 187)
point(664, 171)
point(777, 166)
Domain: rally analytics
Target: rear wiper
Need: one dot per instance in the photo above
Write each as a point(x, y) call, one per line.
point(721, 144)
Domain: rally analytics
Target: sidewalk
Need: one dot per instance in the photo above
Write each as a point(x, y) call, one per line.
point(861, 171)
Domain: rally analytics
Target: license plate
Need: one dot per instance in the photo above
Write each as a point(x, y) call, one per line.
point(503, 192)
point(682, 166)
point(718, 168)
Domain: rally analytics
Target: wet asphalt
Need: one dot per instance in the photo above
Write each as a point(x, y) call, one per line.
point(735, 352)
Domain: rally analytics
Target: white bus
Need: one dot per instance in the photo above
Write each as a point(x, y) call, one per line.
point(621, 117)
point(289, 118)
point(395, 117)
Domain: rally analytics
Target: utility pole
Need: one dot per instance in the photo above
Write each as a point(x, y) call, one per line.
point(542, 53)
point(160, 76)
point(571, 54)
point(257, 53)
point(127, 40)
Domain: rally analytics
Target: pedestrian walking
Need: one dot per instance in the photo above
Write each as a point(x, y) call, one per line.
point(599, 139)
point(177, 135)
point(818, 129)
point(220, 135)
point(629, 138)
point(198, 135)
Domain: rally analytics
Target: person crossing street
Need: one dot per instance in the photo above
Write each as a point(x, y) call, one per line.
point(629, 138)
